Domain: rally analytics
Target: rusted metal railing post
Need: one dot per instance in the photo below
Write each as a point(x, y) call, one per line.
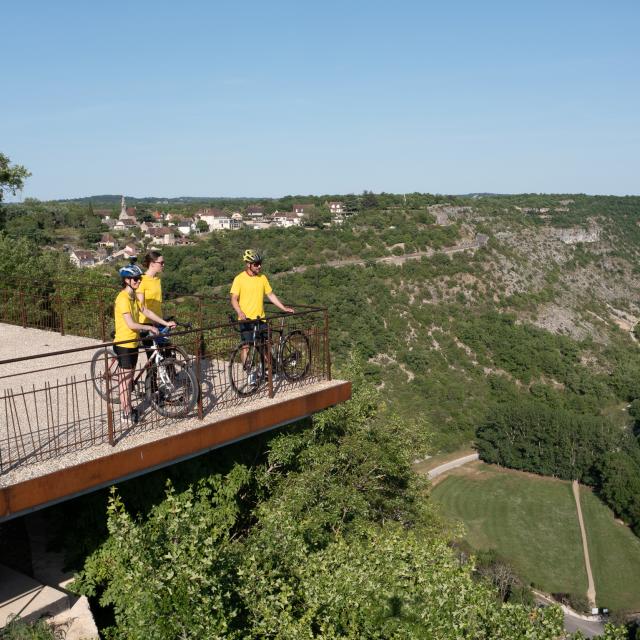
point(107, 378)
point(103, 326)
point(198, 342)
point(23, 311)
point(269, 362)
point(60, 312)
point(327, 352)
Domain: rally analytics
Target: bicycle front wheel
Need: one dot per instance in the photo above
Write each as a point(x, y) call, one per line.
point(171, 388)
point(246, 369)
point(99, 374)
point(295, 356)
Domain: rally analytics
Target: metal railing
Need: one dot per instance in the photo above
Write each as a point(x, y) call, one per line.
point(50, 405)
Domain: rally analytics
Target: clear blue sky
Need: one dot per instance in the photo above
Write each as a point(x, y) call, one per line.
point(273, 98)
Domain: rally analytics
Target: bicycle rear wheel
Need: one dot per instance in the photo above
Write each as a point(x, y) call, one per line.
point(99, 376)
point(295, 356)
point(171, 388)
point(246, 375)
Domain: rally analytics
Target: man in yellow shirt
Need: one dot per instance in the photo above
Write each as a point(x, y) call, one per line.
point(248, 291)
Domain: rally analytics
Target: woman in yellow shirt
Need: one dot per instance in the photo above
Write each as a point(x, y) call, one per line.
point(149, 294)
point(127, 312)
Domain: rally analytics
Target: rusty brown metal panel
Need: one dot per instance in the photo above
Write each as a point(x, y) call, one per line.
point(66, 483)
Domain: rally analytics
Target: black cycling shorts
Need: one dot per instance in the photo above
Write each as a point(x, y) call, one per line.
point(246, 331)
point(127, 358)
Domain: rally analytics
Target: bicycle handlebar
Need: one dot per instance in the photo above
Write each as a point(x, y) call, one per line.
point(163, 332)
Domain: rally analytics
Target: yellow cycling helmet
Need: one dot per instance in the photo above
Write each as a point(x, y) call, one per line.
point(251, 256)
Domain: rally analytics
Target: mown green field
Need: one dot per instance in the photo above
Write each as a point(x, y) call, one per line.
point(532, 522)
point(615, 556)
point(529, 521)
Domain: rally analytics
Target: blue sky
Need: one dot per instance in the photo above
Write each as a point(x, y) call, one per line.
point(267, 99)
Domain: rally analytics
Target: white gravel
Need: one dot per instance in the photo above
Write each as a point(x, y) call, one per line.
point(60, 421)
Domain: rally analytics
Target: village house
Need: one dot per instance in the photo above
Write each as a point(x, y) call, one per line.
point(286, 219)
point(82, 258)
point(130, 249)
point(101, 254)
point(336, 207)
point(162, 235)
point(217, 220)
point(301, 209)
point(125, 225)
point(255, 211)
point(186, 226)
point(107, 240)
point(258, 225)
point(145, 226)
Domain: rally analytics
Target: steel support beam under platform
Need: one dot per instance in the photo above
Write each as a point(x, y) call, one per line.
point(42, 491)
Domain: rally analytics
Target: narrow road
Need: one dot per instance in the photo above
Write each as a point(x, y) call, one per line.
point(589, 625)
point(591, 589)
point(452, 464)
point(397, 260)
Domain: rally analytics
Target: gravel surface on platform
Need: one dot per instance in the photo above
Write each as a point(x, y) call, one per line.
point(49, 437)
point(16, 342)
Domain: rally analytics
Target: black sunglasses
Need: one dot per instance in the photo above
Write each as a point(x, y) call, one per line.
point(256, 264)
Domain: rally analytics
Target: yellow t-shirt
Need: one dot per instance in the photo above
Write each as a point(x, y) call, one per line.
point(151, 287)
point(251, 291)
point(124, 304)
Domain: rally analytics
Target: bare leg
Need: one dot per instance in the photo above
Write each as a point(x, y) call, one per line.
point(124, 388)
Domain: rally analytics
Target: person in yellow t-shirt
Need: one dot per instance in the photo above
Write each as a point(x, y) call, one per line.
point(149, 294)
point(127, 311)
point(247, 295)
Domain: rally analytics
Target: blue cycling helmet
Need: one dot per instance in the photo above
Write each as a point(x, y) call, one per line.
point(130, 271)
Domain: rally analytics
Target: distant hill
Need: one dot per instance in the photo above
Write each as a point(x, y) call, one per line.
point(109, 199)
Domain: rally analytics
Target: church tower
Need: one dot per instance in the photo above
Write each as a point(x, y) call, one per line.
point(123, 210)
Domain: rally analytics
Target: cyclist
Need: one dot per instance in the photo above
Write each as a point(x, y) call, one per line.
point(127, 311)
point(247, 295)
point(149, 294)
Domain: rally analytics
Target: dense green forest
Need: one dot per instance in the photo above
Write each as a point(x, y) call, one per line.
point(522, 344)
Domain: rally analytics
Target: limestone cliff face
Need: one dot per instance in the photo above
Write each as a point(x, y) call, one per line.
point(576, 235)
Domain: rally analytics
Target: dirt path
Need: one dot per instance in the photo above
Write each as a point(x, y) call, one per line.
point(452, 464)
point(591, 589)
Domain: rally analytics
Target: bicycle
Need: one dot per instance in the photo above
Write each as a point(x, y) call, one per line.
point(290, 355)
point(170, 384)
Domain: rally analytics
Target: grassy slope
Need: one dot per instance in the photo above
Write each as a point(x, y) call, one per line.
point(615, 556)
point(531, 522)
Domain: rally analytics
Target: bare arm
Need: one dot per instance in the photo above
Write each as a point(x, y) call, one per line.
point(236, 307)
point(156, 318)
point(274, 298)
point(136, 326)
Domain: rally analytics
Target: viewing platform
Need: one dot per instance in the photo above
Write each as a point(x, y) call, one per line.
point(60, 436)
